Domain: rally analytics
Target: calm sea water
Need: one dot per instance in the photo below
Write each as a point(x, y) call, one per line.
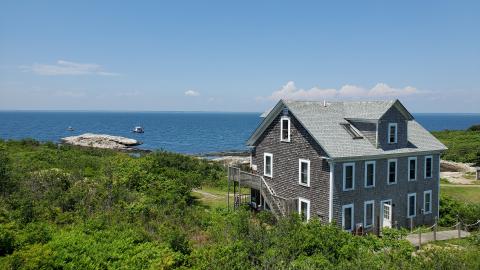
point(183, 132)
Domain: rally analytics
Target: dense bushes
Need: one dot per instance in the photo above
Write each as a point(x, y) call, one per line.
point(451, 211)
point(474, 128)
point(72, 208)
point(463, 146)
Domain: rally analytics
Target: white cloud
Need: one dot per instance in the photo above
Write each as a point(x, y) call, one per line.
point(192, 93)
point(63, 67)
point(380, 90)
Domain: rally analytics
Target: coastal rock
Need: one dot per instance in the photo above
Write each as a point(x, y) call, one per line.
point(233, 160)
point(102, 141)
point(450, 166)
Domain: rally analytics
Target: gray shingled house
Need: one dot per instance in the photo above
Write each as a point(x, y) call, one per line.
point(359, 164)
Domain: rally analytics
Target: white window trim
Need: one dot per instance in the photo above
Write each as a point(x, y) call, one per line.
point(408, 205)
point(265, 155)
point(343, 216)
point(424, 202)
point(300, 200)
point(281, 129)
point(300, 161)
point(416, 168)
point(372, 202)
point(425, 168)
point(353, 175)
point(388, 171)
point(374, 173)
point(396, 132)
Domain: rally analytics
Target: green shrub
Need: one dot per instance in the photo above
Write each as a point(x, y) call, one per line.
point(7, 239)
point(474, 128)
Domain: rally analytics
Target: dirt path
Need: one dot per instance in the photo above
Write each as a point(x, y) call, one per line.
point(456, 178)
point(453, 185)
point(207, 194)
point(441, 235)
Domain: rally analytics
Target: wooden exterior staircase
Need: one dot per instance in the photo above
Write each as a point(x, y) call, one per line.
point(278, 205)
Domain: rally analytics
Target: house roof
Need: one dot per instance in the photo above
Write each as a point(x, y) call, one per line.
point(324, 123)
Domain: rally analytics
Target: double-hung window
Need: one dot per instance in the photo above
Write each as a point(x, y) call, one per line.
point(347, 217)
point(348, 176)
point(368, 209)
point(428, 167)
point(304, 172)
point(412, 205)
point(412, 168)
point(370, 174)
point(392, 133)
point(304, 209)
point(285, 129)
point(427, 202)
point(392, 171)
point(268, 164)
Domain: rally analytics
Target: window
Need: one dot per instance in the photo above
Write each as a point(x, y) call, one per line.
point(268, 164)
point(412, 168)
point(304, 208)
point(370, 174)
point(428, 166)
point(304, 172)
point(411, 205)
point(392, 133)
point(348, 176)
point(368, 216)
point(285, 129)
point(427, 202)
point(392, 171)
point(347, 217)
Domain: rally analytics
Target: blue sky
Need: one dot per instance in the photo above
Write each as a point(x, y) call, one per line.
point(237, 56)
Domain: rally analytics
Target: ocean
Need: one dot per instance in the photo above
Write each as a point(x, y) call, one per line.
point(182, 132)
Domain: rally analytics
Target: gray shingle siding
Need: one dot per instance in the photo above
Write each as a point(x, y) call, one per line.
point(286, 155)
point(382, 191)
point(392, 116)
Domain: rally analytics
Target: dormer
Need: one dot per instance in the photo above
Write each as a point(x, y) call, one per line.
point(392, 129)
point(388, 130)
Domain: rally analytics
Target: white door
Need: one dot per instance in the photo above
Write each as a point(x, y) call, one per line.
point(387, 214)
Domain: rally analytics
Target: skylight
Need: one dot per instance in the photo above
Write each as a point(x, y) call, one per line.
point(352, 131)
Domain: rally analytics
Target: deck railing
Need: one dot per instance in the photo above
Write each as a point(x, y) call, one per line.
point(280, 206)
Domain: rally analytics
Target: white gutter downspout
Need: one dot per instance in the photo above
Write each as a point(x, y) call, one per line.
point(438, 195)
point(330, 193)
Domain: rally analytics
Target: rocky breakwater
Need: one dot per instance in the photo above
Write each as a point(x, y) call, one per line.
point(102, 141)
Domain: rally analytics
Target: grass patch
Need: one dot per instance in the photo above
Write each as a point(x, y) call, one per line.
point(462, 193)
point(215, 197)
point(467, 242)
point(444, 181)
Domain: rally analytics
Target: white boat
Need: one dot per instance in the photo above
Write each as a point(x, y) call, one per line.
point(138, 130)
point(70, 128)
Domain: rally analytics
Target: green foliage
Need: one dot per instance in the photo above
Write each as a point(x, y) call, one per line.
point(463, 146)
point(7, 239)
point(75, 208)
point(474, 128)
point(451, 211)
point(4, 172)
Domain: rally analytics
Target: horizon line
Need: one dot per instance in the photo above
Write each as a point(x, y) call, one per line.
point(178, 111)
